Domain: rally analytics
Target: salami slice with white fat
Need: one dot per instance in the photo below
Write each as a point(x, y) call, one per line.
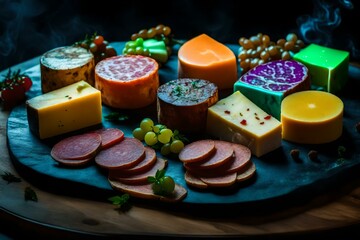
point(82, 146)
point(125, 154)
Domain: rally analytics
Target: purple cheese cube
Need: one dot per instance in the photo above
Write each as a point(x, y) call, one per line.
point(267, 84)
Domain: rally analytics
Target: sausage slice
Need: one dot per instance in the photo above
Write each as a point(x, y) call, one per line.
point(125, 154)
point(82, 146)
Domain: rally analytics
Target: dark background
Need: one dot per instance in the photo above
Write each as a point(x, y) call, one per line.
point(28, 28)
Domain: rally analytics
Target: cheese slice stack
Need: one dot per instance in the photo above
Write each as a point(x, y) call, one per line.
point(237, 119)
point(64, 110)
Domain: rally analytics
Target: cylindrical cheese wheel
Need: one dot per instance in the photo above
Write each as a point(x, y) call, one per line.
point(127, 81)
point(311, 117)
point(64, 66)
point(183, 103)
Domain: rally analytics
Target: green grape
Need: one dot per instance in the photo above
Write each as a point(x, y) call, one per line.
point(150, 138)
point(146, 124)
point(146, 52)
point(176, 146)
point(167, 185)
point(130, 51)
point(165, 149)
point(139, 42)
point(139, 50)
point(165, 135)
point(139, 134)
point(130, 44)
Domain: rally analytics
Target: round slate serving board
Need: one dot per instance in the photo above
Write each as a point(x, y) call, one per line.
point(278, 177)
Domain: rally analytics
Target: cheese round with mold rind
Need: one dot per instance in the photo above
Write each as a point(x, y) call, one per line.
point(66, 65)
point(312, 117)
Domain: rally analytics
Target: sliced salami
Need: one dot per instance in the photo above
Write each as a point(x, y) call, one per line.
point(74, 162)
point(145, 191)
point(147, 163)
point(194, 181)
point(247, 173)
point(197, 151)
point(140, 178)
point(110, 136)
point(224, 152)
point(82, 146)
point(220, 181)
point(125, 154)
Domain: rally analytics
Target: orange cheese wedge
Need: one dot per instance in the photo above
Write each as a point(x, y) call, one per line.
point(205, 58)
point(311, 117)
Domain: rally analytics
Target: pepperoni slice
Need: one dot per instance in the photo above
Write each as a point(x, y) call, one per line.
point(140, 178)
point(110, 136)
point(74, 162)
point(144, 165)
point(246, 174)
point(82, 146)
point(224, 152)
point(145, 191)
point(125, 154)
point(197, 151)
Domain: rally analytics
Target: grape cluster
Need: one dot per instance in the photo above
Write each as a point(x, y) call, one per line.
point(98, 46)
point(160, 32)
point(260, 49)
point(159, 137)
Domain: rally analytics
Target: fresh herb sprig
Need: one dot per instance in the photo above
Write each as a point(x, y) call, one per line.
point(122, 202)
point(9, 177)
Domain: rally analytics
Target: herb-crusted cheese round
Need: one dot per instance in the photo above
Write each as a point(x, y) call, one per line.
point(182, 103)
point(63, 66)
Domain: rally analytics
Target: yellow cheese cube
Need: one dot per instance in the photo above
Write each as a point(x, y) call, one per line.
point(237, 119)
point(64, 110)
point(312, 117)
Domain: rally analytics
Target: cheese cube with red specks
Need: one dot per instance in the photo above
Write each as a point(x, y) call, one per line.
point(237, 119)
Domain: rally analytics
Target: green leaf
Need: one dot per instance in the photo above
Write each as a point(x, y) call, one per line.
point(116, 116)
point(122, 202)
point(160, 174)
point(30, 194)
point(151, 179)
point(9, 177)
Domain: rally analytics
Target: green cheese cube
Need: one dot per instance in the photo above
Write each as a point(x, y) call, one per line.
point(328, 67)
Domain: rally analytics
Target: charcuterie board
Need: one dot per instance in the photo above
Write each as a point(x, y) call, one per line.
point(278, 177)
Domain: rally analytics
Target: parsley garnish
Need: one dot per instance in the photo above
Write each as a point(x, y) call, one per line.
point(116, 116)
point(9, 177)
point(30, 194)
point(122, 202)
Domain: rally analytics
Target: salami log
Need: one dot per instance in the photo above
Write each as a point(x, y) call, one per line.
point(82, 146)
point(127, 81)
point(182, 104)
point(125, 154)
